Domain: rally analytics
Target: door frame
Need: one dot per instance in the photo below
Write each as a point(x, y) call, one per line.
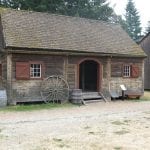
point(99, 72)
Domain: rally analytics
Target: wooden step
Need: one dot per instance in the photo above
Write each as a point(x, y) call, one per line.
point(91, 96)
point(93, 101)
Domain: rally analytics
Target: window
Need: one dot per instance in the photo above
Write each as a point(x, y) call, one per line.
point(35, 70)
point(131, 71)
point(29, 70)
point(126, 70)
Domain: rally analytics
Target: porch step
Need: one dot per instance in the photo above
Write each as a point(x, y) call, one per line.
point(93, 101)
point(91, 96)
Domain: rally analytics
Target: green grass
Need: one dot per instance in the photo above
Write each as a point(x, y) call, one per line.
point(87, 127)
point(60, 143)
point(121, 132)
point(117, 148)
point(118, 123)
point(124, 122)
point(145, 97)
point(32, 107)
point(91, 132)
point(57, 140)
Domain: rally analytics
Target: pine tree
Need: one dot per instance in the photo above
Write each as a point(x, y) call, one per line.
point(132, 21)
point(93, 9)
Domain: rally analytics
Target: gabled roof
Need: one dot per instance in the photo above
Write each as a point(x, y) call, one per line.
point(44, 31)
point(143, 38)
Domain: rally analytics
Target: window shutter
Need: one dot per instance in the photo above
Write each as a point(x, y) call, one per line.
point(134, 71)
point(22, 70)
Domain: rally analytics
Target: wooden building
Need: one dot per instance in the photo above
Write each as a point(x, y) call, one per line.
point(145, 44)
point(90, 55)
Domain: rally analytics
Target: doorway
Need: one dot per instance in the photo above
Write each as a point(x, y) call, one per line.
point(89, 76)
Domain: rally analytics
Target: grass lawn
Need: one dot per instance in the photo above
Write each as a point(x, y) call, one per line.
point(145, 97)
point(35, 106)
point(32, 107)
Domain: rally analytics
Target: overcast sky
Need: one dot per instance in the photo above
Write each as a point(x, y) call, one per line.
point(143, 7)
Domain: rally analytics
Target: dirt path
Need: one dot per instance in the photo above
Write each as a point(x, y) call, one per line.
point(121, 125)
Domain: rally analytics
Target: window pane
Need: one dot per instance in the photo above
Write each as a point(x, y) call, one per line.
point(126, 71)
point(35, 70)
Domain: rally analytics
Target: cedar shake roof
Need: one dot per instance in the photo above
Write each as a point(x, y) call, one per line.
point(44, 31)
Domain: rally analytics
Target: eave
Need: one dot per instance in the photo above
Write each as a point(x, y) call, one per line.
point(15, 50)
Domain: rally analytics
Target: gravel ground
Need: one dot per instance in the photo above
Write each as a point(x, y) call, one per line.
point(120, 125)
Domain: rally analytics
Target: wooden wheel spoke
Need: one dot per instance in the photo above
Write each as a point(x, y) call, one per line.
point(48, 95)
point(47, 90)
point(54, 88)
point(62, 96)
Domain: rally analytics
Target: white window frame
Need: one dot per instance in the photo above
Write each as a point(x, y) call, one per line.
point(126, 70)
point(34, 70)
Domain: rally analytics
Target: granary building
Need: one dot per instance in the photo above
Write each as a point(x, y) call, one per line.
point(91, 55)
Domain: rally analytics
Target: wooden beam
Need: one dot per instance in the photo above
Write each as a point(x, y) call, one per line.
point(9, 78)
point(72, 53)
point(65, 67)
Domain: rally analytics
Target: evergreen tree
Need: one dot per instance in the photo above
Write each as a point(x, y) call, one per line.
point(93, 9)
point(119, 20)
point(132, 21)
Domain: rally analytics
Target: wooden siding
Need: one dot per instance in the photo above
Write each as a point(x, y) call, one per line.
point(4, 71)
point(71, 75)
point(117, 66)
point(67, 66)
point(29, 90)
point(132, 83)
point(1, 36)
point(145, 44)
point(116, 69)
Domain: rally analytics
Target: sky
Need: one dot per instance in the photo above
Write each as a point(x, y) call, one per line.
point(142, 6)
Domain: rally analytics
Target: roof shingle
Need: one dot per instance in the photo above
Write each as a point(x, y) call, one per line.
point(25, 29)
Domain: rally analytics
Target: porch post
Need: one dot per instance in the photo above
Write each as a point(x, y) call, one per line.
point(143, 67)
point(108, 77)
point(9, 79)
point(65, 71)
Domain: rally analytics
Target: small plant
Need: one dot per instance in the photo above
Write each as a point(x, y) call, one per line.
point(57, 140)
point(117, 148)
point(87, 127)
point(63, 145)
point(60, 143)
point(148, 118)
point(91, 133)
point(121, 132)
point(118, 123)
point(127, 121)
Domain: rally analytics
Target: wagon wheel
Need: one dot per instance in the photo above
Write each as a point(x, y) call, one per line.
point(54, 89)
